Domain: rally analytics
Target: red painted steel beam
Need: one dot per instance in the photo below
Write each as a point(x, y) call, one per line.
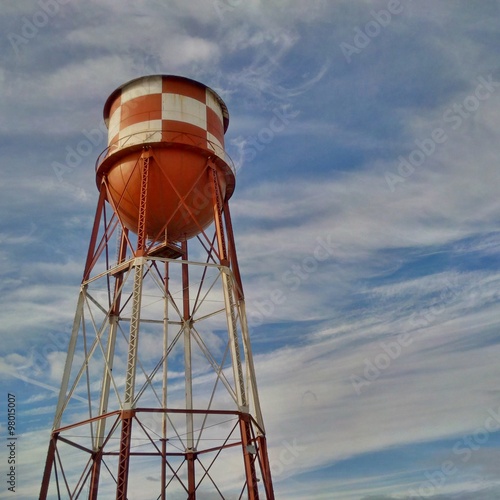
point(49, 462)
point(95, 232)
point(124, 458)
point(251, 475)
point(265, 467)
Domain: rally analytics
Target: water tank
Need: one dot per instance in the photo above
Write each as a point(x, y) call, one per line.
point(182, 123)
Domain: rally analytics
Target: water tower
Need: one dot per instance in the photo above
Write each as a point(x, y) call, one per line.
point(159, 397)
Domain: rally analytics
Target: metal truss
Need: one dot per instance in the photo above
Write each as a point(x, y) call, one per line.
point(159, 396)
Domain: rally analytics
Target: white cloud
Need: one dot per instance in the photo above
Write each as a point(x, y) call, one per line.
point(417, 399)
point(415, 259)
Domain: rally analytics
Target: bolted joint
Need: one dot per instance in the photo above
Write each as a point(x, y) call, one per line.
point(127, 414)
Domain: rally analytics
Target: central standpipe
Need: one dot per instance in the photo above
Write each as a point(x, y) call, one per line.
point(160, 368)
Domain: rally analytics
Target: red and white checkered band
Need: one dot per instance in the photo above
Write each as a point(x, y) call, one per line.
point(166, 109)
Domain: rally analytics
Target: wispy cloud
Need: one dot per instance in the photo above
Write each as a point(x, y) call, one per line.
point(366, 218)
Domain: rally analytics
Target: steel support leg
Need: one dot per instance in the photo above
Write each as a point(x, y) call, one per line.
point(251, 475)
point(124, 459)
point(51, 454)
point(266, 467)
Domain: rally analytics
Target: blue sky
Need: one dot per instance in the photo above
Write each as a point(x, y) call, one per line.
point(365, 134)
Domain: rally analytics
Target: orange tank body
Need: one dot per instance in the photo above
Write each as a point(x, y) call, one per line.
point(179, 124)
